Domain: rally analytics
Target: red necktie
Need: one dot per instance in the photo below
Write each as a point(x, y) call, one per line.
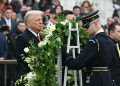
point(38, 38)
point(28, 4)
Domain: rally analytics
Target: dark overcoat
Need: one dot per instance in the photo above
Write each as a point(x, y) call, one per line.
point(22, 42)
point(115, 66)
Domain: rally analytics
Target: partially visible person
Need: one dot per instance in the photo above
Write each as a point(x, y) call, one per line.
point(43, 5)
point(58, 9)
point(31, 5)
point(45, 20)
point(68, 14)
point(114, 34)
point(23, 14)
point(76, 11)
point(105, 29)
point(18, 6)
point(14, 3)
point(3, 55)
point(52, 15)
point(49, 2)
point(5, 4)
point(8, 21)
point(47, 13)
point(86, 7)
point(22, 8)
point(116, 16)
point(79, 22)
point(33, 21)
point(1, 15)
point(109, 21)
point(10, 56)
point(14, 16)
point(20, 29)
point(55, 3)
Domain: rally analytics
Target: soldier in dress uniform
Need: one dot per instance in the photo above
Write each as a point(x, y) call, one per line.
point(96, 55)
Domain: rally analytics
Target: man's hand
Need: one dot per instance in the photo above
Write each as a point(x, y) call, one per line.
point(1, 58)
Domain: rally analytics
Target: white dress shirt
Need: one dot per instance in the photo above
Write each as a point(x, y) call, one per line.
point(7, 21)
point(34, 33)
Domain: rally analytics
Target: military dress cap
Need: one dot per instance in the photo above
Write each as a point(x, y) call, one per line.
point(89, 18)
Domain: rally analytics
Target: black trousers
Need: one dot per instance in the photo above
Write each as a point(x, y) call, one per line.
point(1, 81)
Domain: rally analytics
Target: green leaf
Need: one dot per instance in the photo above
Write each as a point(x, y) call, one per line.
point(58, 39)
point(66, 32)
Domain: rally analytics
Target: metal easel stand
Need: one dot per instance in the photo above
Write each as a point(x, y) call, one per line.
point(73, 48)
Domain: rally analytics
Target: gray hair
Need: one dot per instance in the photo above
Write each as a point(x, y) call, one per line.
point(29, 15)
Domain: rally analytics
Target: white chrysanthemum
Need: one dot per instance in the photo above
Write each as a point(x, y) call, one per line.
point(31, 76)
point(26, 49)
point(40, 44)
point(52, 27)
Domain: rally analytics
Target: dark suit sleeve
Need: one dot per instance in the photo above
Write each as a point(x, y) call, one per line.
point(13, 26)
point(0, 23)
point(5, 49)
point(84, 57)
point(20, 44)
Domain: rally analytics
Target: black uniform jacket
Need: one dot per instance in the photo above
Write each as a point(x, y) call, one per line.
point(115, 65)
point(95, 54)
point(22, 42)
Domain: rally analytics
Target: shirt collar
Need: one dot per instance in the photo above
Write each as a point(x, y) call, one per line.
point(33, 32)
point(99, 31)
point(28, 3)
point(7, 19)
point(53, 6)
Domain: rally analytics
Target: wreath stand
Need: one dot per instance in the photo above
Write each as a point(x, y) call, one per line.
point(73, 49)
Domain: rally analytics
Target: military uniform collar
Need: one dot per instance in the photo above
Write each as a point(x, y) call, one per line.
point(99, 31)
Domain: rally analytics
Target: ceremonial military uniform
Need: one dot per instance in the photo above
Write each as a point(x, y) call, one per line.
point(95, 57)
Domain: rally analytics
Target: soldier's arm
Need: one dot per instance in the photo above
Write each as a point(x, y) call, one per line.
point(90, 50)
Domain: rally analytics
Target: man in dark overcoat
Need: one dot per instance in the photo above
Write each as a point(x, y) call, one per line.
point(114, 34)
point(33, 21)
